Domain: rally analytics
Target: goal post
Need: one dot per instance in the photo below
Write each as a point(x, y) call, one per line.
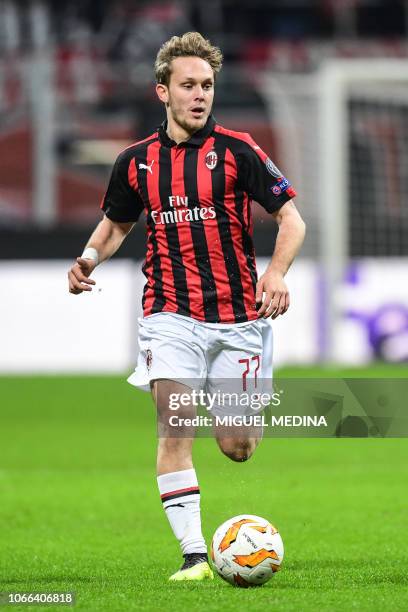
point(342, 134)
point(339, 81)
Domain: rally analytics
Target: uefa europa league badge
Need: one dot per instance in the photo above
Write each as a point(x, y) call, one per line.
point(211, 160)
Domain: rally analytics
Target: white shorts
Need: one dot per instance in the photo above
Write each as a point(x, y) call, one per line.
point(204, 355)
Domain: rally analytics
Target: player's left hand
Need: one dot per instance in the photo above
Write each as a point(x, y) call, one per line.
point(272, 295)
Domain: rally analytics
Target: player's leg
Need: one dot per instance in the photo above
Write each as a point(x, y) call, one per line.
point(242, 365)
point(177, 479)
point(174, 451)
point(172, 349)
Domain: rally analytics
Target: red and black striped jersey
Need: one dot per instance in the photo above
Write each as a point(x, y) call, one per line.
point(200, 259)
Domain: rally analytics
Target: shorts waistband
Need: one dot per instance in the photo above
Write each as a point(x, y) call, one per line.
point(205, 324)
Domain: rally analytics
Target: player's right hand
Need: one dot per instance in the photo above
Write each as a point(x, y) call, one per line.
point(78, 276)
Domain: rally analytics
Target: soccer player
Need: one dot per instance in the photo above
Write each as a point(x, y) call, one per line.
point(204, 310)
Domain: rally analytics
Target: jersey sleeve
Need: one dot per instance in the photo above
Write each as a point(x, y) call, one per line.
point(262, 180)
point(122, 201)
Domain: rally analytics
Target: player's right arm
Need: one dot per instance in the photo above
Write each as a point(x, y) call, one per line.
point(122, 205)
point(105, 240)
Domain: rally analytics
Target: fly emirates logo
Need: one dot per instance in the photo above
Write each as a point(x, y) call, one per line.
point(180, 212)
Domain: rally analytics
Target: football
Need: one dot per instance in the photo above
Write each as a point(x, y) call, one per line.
point(246, 550)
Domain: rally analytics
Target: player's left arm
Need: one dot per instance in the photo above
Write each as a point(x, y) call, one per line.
point(271, 290)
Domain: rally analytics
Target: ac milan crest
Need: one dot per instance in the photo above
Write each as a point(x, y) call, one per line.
point(149, 359)
point(211, 160)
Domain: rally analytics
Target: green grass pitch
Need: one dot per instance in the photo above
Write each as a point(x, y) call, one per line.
point(80, 510)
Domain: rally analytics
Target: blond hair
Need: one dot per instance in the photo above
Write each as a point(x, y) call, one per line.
point(187, 45)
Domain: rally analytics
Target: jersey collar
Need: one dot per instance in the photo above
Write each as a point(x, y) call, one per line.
point(196, 140)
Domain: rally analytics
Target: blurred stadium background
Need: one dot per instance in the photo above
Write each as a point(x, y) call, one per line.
point(322, 85)
point(323, 88)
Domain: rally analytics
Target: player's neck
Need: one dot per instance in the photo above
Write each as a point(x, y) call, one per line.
point(176, 132)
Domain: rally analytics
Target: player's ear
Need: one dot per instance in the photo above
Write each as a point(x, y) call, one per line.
point(162, 92)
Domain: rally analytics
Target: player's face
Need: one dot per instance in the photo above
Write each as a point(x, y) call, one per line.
point(190, 92)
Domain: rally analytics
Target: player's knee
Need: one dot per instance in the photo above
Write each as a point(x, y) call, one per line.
point(237, 450)
point(240, 454)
